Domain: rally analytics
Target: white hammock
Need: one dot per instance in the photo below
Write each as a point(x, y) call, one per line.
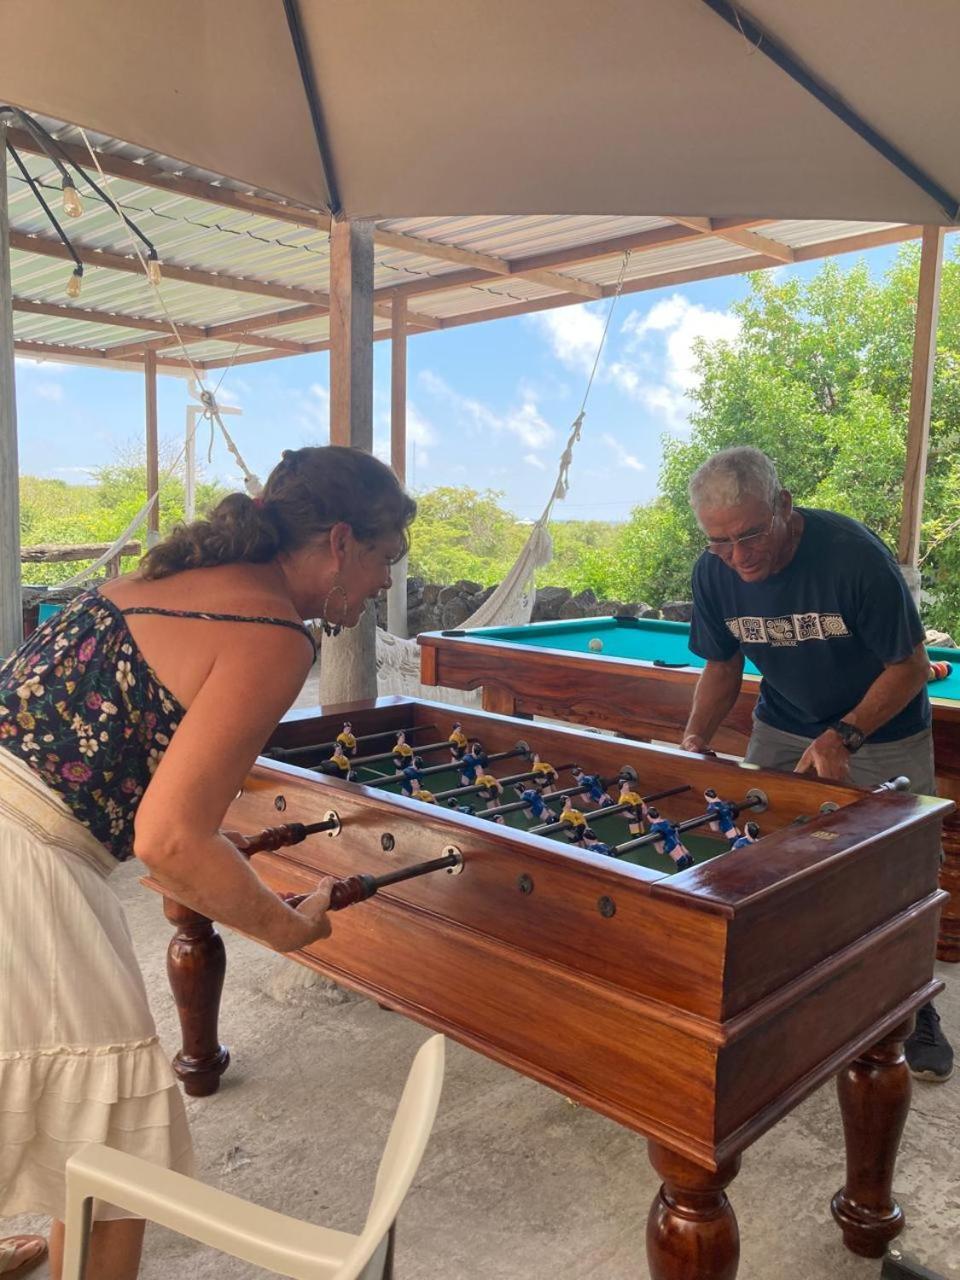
point(511, 605)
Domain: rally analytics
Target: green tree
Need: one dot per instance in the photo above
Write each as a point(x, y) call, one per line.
point(819, 378)
point(52, 511)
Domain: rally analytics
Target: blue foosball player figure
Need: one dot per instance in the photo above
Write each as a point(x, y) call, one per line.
point(595, 845)
point(751, 834)
point(411, 773)
point(595, 791)
point(533, 801)
point(723, 815)
point(669, 841)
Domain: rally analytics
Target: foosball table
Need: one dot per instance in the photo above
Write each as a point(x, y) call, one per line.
point(686, 945)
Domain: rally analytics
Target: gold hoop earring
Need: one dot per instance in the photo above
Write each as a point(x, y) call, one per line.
point(333, 628)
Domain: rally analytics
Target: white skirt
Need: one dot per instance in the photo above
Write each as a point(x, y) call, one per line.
point(79, 1056)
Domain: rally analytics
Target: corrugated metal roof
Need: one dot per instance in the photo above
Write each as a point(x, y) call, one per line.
point(244, 247)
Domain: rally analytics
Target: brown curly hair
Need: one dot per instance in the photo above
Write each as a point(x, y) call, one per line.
point(307, 493)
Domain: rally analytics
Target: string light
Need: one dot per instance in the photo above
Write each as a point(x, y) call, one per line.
point(74, 283)
point(72, 204)
point(154, 274)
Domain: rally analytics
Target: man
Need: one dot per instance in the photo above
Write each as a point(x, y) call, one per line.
point(818, 604)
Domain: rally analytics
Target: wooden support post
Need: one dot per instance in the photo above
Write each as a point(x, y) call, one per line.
point(153, 446)
point(921, 389)
point(351, 334)
point(11, 608)
point(348, 665)
point(397, 595)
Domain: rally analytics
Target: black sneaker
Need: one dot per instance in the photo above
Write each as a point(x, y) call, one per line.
point(929, 1053)
point(685, 860)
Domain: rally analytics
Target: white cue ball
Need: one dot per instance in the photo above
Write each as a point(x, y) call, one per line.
point(595, 645)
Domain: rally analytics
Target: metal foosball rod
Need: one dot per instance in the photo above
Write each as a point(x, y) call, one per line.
point(272, 838)
point(691, 824)
point(344, 893)
point(521, 749)
point(608, 810)
point(388, 755)
point(291, 753)
point(478, 786)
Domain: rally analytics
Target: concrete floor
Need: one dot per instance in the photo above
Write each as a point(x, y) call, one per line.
point(517, 1184)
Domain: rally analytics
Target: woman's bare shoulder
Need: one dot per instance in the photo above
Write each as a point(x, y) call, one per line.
point(250, 590)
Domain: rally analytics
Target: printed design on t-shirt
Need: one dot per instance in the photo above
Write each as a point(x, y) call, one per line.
point(788, 630)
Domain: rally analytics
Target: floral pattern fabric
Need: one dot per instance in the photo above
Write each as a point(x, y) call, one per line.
point(81, 707)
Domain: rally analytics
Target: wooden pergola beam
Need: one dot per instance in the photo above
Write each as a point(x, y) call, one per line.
point(49, 248)
point(739, 235)
point(63, 311)
point(690, 275)
point(99, 356)
point(164, 180)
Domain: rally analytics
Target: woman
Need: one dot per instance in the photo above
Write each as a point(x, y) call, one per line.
point(127, 725)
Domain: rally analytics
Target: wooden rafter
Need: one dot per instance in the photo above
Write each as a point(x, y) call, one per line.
point(163, 180)
point(64, 311)
point(59, 351)
point(739, 235)
point(49, 248)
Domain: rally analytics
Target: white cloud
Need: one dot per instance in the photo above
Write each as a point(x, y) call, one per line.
point(228, 397)
point(623, 459)
point(314, 410)
point(532, 460)
point(678, 324)
point(49, 391)
point(419, 430)
point(524, 421)
point(574, 334)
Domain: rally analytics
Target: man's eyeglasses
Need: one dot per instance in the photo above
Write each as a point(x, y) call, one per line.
point(726, 546)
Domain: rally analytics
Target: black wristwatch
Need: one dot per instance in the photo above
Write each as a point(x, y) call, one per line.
point(850, 735)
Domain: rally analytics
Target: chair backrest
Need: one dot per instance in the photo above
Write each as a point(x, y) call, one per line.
point(401, 1158)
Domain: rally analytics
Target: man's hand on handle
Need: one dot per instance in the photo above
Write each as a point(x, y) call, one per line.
point(827, 757)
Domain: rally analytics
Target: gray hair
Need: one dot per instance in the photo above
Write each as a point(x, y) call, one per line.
point(733, 475)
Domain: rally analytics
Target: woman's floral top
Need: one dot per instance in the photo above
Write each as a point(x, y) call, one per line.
point(80, 706)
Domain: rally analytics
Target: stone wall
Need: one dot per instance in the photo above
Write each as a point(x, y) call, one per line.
point(433, 607)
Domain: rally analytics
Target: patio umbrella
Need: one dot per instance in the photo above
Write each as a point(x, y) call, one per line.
point(393, 108)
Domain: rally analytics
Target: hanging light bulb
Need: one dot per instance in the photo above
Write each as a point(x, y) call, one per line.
point(154, 274)
point(74, 283)
point(72, 204)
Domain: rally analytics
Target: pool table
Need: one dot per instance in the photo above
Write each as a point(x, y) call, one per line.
point(638, 681)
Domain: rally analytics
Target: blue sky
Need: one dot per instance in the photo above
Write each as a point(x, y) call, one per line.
point(489, 405)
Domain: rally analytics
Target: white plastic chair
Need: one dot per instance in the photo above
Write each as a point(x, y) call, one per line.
point(286, 1246)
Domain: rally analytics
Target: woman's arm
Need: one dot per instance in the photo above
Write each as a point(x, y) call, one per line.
point(177, 828)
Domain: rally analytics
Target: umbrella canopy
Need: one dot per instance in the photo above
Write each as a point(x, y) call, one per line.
point(441, 107)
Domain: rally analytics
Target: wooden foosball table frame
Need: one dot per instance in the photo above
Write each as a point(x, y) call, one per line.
point(695, 1008)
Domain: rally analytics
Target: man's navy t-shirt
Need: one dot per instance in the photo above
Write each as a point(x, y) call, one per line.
point(819, 632)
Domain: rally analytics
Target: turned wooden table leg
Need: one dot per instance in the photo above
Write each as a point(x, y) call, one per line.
point(692, 1230)
point(948, 943)
point(196, 964)
point(874, 1092)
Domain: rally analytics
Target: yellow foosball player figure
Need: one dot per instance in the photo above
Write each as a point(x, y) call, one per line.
point(346, 739)
point(421, 793)
point(490, 787)
point(574, 820)
point(402, 751)
point(458, 741)
point(543, 773)
point(637, 811)
point(339, 763)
